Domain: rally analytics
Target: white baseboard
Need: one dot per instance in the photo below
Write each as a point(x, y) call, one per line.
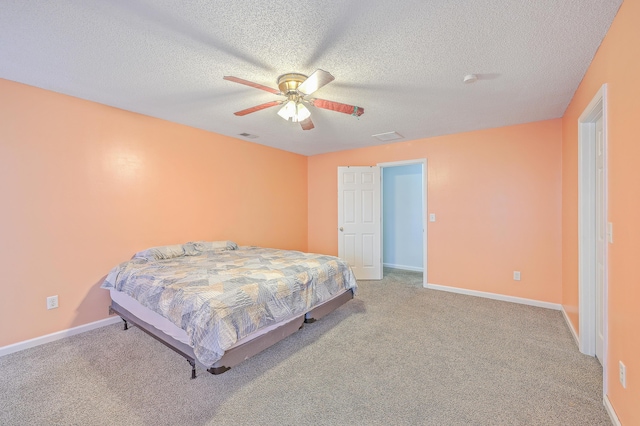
point(612, 413)
point(403, 267)
point(20, 346)
point(570, 325)
point(513, 299)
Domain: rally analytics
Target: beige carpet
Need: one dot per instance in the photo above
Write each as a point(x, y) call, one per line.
point(396, 354)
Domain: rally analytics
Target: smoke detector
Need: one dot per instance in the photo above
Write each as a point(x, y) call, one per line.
point(470, 78)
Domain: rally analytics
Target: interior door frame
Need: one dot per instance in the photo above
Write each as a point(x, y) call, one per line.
point(587, 228)
point(423, 162)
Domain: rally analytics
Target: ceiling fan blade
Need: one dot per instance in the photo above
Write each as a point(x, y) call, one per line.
point(307, 124)
point(251, 84)
point(257, 108)
point(338, 107)
point(315, 81)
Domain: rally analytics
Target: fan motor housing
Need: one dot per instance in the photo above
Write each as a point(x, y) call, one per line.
point(288, 83)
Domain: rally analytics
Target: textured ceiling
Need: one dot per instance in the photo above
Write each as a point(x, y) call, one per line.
point(402, 61)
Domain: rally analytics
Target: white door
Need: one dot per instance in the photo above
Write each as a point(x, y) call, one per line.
point(359, 220)
point(601, 238)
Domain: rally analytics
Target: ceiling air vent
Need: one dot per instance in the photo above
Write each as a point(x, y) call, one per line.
point(389, 136)
point(248, 135)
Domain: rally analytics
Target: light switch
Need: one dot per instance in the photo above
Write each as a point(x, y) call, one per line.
point(432, 217)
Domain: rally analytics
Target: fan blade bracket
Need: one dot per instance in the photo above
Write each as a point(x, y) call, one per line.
point(251, 84)
point(315, 81)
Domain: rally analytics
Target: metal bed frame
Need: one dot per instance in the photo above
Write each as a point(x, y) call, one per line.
point(239, 353)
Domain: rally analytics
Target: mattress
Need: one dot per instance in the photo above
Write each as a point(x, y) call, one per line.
point(170, 329)
point(214, 297)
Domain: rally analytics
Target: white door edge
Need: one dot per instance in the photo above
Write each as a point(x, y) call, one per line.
point(586, 228)
point(422, 161)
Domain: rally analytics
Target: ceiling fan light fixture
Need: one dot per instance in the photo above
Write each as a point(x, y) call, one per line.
point(294, 111)
point(288, 110)
point(302, 112)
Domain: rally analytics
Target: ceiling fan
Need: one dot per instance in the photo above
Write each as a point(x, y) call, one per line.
point(294, 87)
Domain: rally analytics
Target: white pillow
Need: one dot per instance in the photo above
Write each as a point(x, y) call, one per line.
point(161, 252)
point(197, 247)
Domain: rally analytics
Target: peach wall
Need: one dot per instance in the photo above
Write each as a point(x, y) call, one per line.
point(84, 186)
point(497, 198)
point(617, 63)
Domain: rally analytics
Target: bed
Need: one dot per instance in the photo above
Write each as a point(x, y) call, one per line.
point(217, 304)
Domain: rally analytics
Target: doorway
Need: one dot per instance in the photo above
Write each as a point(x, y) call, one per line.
point(403, 213)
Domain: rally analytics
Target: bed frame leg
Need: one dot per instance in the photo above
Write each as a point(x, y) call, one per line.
point(193, 368)
point(218, 370)
point(111, 312)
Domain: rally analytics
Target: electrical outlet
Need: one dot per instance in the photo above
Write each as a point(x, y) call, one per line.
point(623, 375)
point(52, 302)
point(516, 275)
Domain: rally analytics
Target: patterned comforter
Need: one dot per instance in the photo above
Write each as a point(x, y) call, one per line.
point(220, 295)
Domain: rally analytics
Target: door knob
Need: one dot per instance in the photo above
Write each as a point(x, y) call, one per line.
point(341, 229)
